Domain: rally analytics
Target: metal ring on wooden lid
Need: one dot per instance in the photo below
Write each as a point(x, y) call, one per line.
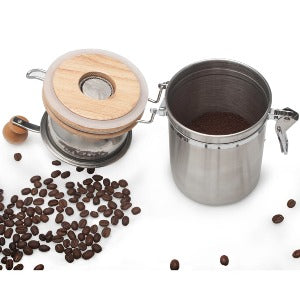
point(95, 91)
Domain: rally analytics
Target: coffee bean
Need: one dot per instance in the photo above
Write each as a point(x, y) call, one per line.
point(114, 220)
point(104, 223)
point(81, 236)
point(82, 223)
point(71, 235)
point(296, 253)
point(37, 184)
point(18, 256)
point(115, 185)
point(82, 246)
point(59, 195)
point(135, 210)
point(94, 229)
point(74, 225)
point(97, 237)
point(28, 201)
point(66, 225)
point(35, 178)
point(47, 181)
point(38, 201)
point(108, 213)
point(9, 264)
point(18, 267)
point(89, 240)
point(87, 181)
point(112, 205)
point(277, 219)
point(102, 208)
point(84, 213)
point(65, 174)
point(224, 260)
point(97, 177)
point(34, 191)
point(27, 250)
point(63, 203)
point(88, 254)
point(126, 205)
point(90, 170)
point(59, 248)
point(21, 229)
point(17, 156)
point(26, 191)
point(123, 183)
point(86, 230)
point(44, 248)
point(94, 214)
point(69, 211)
point(126, 192)
point(69, 258)
point(1, 206)
point(291, 203)
point(125, 220)
point(80, 206)
point(55, 173)
point(106, 182)
point(70, 185)
point(39, 267)
point(34, 230)
point(43, 193)
point(118, 195)
point(79, 169)
point(106, 232)
point(34, 244)
point(44, 218)
point(96, 201)
point(68, 251)
point(96, 248)
point(53, 187)
point(174, 265)
point(56, 163)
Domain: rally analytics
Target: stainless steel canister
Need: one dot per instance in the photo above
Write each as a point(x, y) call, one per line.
point(219, 169)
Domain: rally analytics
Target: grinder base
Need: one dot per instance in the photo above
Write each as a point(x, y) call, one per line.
point(64, 153)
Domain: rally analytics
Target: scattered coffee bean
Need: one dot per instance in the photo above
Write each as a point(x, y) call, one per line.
point(69, 211)
point(65, 174)
point(123, 183)
point(35, 178)
point(106, 232)
point(26, 191)
point(125, 220)
point(18, 267)
point(55, 173)
point(224, 260)
point(39, 267)
point(17, 156)
point(135, 210)
point(94, 214)
point(174, 265)
point(56, 163)
point(44, 248)
point(277, 219)
point(296, 253)
point(79, 169)
point(90, 170)
point(291, 203)
point(88, 254)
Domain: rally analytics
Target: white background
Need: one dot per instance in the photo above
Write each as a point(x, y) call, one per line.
point(161, 37)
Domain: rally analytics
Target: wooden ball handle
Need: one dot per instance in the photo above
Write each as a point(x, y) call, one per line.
point(14, 133)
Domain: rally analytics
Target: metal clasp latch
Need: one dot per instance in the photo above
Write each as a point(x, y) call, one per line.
point(161, 111)
point(285, 118)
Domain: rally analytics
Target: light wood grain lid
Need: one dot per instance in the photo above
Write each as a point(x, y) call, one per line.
point(63, 97)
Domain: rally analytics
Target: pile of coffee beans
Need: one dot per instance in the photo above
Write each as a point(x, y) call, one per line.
point(219, 123)
point(79, 229)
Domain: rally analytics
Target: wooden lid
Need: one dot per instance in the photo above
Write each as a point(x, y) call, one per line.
point(65, 93)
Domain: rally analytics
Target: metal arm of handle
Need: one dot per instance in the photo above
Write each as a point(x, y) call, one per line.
point(38, 74)
point(26, 125)
point(155, 111)
point(285, 118)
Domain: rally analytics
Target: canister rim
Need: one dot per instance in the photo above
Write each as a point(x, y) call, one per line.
point(206, 138)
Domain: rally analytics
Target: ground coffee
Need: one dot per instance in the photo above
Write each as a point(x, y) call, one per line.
point(219, 123)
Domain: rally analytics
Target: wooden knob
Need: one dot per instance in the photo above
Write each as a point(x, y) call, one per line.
point(13, 133)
